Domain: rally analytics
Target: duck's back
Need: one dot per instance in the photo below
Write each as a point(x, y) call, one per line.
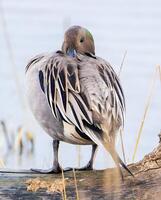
point(102, 89)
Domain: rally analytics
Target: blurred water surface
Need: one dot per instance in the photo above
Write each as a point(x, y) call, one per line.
point(37, 26)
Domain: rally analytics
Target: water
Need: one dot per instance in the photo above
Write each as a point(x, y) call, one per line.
point(117, 26)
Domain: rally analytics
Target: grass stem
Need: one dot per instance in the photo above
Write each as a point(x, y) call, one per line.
point(121, 66)
point(76, 187)
point(64, 189)
point(154, 77)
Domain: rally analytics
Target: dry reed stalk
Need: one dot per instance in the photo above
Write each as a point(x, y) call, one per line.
point(64, 189)
point(2, 165)
point(121, 66)
point(78, 147)
point(159, 71)
point(148, 102)
point(121, 135)
point(11, 55)
point(75, 183)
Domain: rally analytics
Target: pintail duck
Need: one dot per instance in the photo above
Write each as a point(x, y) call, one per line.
point(76, 97)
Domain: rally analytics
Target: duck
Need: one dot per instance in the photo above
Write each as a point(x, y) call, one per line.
point(77, 98)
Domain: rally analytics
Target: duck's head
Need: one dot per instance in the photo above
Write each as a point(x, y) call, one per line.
point(78, 40)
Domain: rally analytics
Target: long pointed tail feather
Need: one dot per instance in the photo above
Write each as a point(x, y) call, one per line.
point(124, 166)
point(95, 137)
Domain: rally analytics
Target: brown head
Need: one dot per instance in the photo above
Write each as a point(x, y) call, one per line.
point(78, 40)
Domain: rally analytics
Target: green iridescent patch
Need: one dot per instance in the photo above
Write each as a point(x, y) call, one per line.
point(89, 34)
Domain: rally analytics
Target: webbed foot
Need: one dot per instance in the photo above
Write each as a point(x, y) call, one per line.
point(53, 170)
point(87, 167)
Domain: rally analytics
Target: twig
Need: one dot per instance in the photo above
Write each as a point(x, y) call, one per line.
point(121, 66)
point(2, 165)
point(5, 131)
point(64, 190)
point(11, 55)
point(75, 182)
point(78, 147)
point(145, 112)
point(159, 71)
point(121, 136)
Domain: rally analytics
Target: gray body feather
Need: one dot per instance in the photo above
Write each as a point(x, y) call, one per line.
point(77, 100)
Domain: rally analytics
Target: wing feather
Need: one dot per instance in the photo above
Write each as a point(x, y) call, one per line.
point(63, 91)
point(75, 100)
point(116, 96)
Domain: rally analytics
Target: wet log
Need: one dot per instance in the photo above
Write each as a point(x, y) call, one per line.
point(99, 184)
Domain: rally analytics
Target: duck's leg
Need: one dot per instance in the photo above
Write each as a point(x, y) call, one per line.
point(56, 167)
point(89, 165)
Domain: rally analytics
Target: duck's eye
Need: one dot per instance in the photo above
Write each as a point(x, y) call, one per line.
point(82, 40)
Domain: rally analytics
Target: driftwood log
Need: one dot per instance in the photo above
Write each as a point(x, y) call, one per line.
point(104, 184)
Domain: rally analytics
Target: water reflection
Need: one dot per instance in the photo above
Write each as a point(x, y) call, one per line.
point(16, 145)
